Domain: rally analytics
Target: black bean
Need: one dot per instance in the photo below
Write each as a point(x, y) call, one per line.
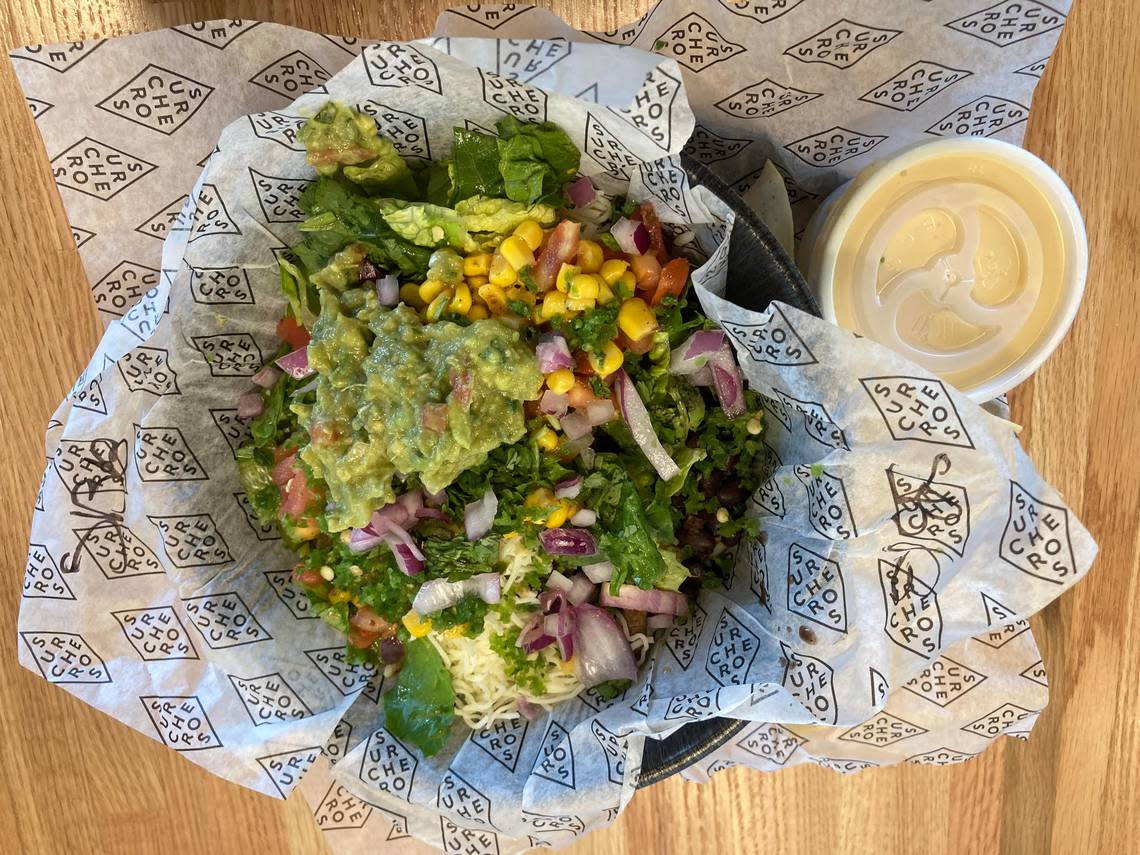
point(711, 483)
point(732, 494)
point(391, 651)
point(368, 271)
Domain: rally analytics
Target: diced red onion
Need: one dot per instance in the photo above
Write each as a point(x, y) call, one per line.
point(528, 710)
point(408, 556)
point(554, 404)
point(656, 622)
point(603, 571)
point(296, 364)
point(308, 387)
point(579, 446)
point(603, 650)
point(600, 412)
point(638, 599)
point(388, 290)
point(432, 514)
point(393, 512)
point(569, 488)
point(532, 637)
point(435, 595)
point(632, 237)
point(581, 591)
point(637, 418)
point(695, 351)
point(728, 381)
point(702, 377)
point(568, 541)
point(479, 516)
point(552, 600)
point(575, 424)
point(411, 502)
point(584, 517)
point(363, 539)
point(553, 353)
point(267, 377)
point(436, 500)
point(250, 405)
point(581, 192)
point(558, 582)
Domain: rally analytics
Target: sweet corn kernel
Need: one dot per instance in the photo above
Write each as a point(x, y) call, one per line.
point(604, 293)
point(553, 304)
point(540, 498)
point(307, 531)
point(612, 269)
point(625, 285)
point(417, 627)
point(439, 305)
point(337, 596)
point(431, 289)
point(558, 517)
point(455, 631)
point(531, 232)
point(494, 297)
point(575, 304)
point(635, 318)
point(517, 252)
point(568, 666)
point(478, 264)
point(584, 286)
point(589, 256)
point(547, 439)
point(502, 274)
point(461, 302)
point(410, 294)
point(517, 293)
point(478, 313)
point(561, 381)
point(565, 272)
point(476, 281)
point(610, 360)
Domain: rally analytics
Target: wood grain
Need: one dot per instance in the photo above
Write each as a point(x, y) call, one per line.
point(96, 786)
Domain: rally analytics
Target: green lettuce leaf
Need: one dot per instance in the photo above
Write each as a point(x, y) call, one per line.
point(535, 159)
point(474, 169)
point(421, 707)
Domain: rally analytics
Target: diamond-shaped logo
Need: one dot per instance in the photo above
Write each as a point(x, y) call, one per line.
point(192, 540)
point(916, 84)
point(280, 128)
point(292, 75)
point(514, 98)
point(833, 146)
point(774, 341)
point(220, 286)
point(932, 510)
point(38, 107)
point(61, 57)
point(235, 431)
point(278, 196)
point(269, 699)
point(695, 43)
point(224, 620)
point(341, 809)
point(181, 722)
point(116, 551)
point(123, 286)
point(760, 10)
point(810, 681)
point(467, 841)
point(162, 454)
point(502, 740)
point(764, 99)
point(651, 111)
point(526, 59)
point(1036, 539)
point(919, 409)
point(607, 150)
point(462, 800)
point(555, 759)
point(815, 588)
point(65, 657)
point(842, 44)
point(732, 650)
point(817, 421)
point(913, 618)
point(333, 663)
point(42, 579)
point(771, 742)
point(230, 355)
point(387, 765)
point(97, 169)
point(613, 748)
point(407, 131)
point(694, 706)
point(217, 34)
point(392, 64)
point(286, 768)
point(281, 581)
point(681, 639)
point(156, 633)
point(996, 722)
point(266, 531)
point(147, 369)
point(157, 98)
point(1009, 22)
point(87, 467)
point(881, 730)
point(940, 757)
point(943, 681)
point(982, 117)
point(710, 147)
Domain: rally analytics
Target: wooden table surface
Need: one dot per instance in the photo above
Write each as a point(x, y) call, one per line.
point(75, 781)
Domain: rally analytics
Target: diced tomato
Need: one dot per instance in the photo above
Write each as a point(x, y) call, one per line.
point(647, 270)
point(639, 346)
point(580, 395)
point(367, 620)
point(308, 578)
point(656, 238)
point(360, 639)
point(460, 387)
point(283, 471)
point(324, 433)
point(292, 333)
point(297, 495)
point(561, 246)
point(434, 417)
point(672, 280)
point(582, 363)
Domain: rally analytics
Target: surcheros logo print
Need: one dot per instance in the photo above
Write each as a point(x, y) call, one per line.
point(542, 823)
point(1008, 627)
point(192, 540)
point(651, 112)
point(771, 742)
point(229, 355)
point(285, 769)
point(1036, 539)
point(591, 698)
point(1036, 673)
point(774, 341)
point(333, 663)
point(912, 87)
point(811, 681)
point(65, 657)
point(828, 508)
point(613, 748)
point(292, 75)
point(940, 757)
point(881, 730)
point(341, 809)
point(142, 318)
point(97, 169)
point(709, 147)
point(929, 509)
point(502, 740)
point(81, 236)
point(982, 117)
point(668, 183)
point(1034, 69)
point(694, 706)
point(732, 650)
point(681, 639)
point(387, 765)
point(269, 699)
point(696, 44)
point(156, 633)
point(278, 196)
point(944, 681)
point(61, 58)
point(879, 687)
point(181, 722)
point(815, 588)
point(123, 286)
point(266, 531)
point(764, 99)
point(234, 431)
point(407, 131)
point(220, 286)
point(459, 798)
point(607, 151)
point(216, 34)
point(816, 420)
point(280, 128)
point(157, 98)
point(918, 408)
point(202, 216)
point(90, 397)
point(490, 16)
point(337, 746)
point(517, 99)
point(913, 619)
point(297, 603)
point(224, 620)
point(998, 721)
point(115, 550)
point(555, 759)
point(833, 146)
point(37, 107)
point(174, 217)
point(395, 65)
point(526, 59)
point(467, 841)
point(842, 44)
point(162, 454)
point(844, 767)
point(88, 467)
point(42, 579)
point(759, 582)
point(1009, 22)
point(760, 10)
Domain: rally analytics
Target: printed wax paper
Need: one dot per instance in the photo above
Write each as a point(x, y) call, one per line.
point(880, 619)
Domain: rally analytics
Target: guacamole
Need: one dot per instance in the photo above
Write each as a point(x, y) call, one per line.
point(396, 395)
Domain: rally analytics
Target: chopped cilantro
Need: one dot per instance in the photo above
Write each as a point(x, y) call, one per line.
point(520, 667)
point(598, 386)
point(526, 277)
point(519, 307)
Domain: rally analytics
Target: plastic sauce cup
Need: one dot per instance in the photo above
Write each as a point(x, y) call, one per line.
point(967, 256)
